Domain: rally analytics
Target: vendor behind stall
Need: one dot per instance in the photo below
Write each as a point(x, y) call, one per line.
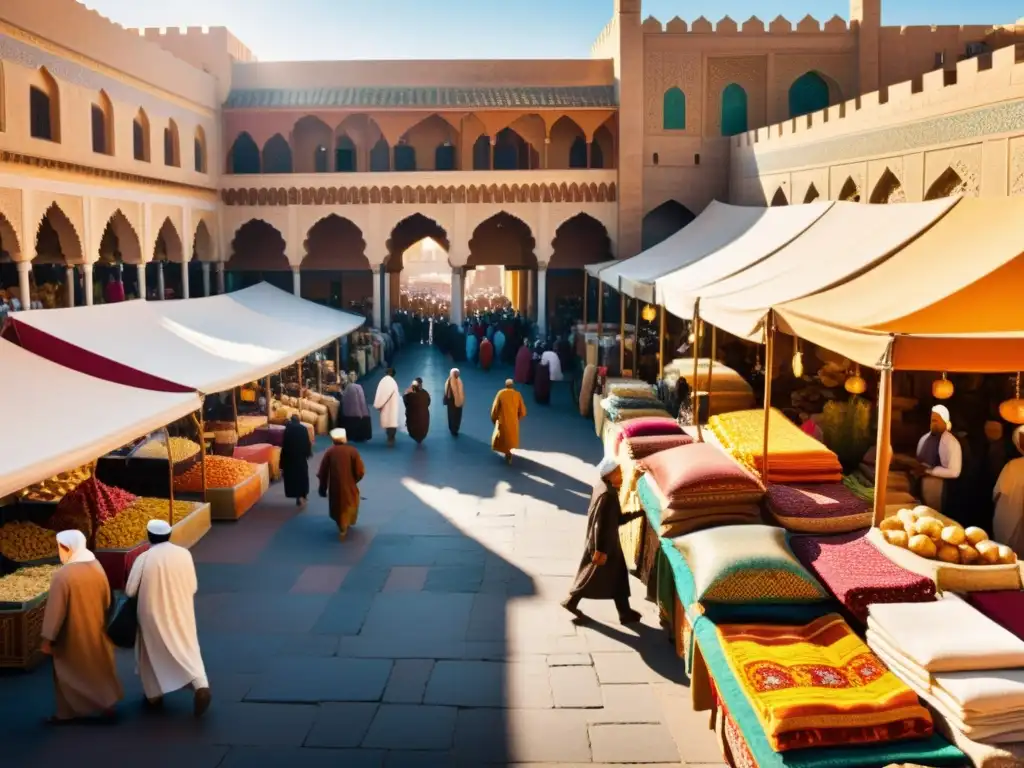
point(939, 457)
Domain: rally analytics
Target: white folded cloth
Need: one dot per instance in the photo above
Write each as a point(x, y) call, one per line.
point(946, 636)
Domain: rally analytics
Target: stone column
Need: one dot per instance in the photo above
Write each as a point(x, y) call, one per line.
point(184, 280)
point(206, 278)
point(544, 157)
point(458, 294)
point(375, 319)
point(296, 282)
point(542, 300)
point(87, 283)
point(220, 278)
point(69, 285)
point(529, 295)
point(385, 310)
point(161, 290)
point(142, 280)
point(24, 284)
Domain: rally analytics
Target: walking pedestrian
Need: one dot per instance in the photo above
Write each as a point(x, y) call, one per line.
point(417, 411)
point(296, 450)
point(454, 400)
point(341, 469)
point(506, 412)
point(167, 651)
point(386, 402)
point(74, 635)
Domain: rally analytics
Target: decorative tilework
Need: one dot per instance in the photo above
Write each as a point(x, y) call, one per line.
point(417, 98)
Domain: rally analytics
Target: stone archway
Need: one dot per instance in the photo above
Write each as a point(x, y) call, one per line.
point(888, 190)
point(244, 157)
point(10, 254)
point(258, 254)
point(335, 268)
point(850, 192)
point(166, 264)
point(779, 198)
point(119, 246)
point(202, 254)
point(57, 247)
point(418, 273)
point(506, 242)
point(578, 241)
point(955, 180)
point(664, 221)
point(812, 194)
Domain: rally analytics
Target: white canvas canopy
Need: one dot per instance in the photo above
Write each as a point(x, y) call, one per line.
point(57, 419)
point(677, 291)
point(717, 225)
point(206, 345)
point(595, 269)
point(849, 239)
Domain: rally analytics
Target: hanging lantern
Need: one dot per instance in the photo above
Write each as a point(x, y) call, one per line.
point(855, 384)
point(1013, 410)
point(942, 389)
point(798, 362)
point(650, 313)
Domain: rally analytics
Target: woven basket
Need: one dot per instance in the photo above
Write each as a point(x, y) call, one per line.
point(21, 635)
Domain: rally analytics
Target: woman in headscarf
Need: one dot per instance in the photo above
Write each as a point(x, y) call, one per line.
point(296, 450)
point(472, 344)
point(74, 634)
point(354, 411)
point(524, 365)
point(603, 574)
point(454, 399)
point(1008, 494)
point(486, 354)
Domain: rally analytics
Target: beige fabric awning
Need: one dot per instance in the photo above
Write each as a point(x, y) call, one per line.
point(949, 301)
point(678, 290)
point(847, 240)
point(595, 270)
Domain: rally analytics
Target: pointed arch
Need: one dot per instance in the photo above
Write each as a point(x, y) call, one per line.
point(405, 157)
point(120, 241)
point(10, 244)
point(579, 241)
point(850, 192)
point(949, 183)
point(309, 140)
point(199, 149)
point(779, 198)
point(102, 114)
point(673, 110)
point(380, 156)
point(140, 136)
point(409, 231)
point(44, 106)
point(564, 148)
point(57, 241)
point(664, 221)
point(202, 243)
point(172, 144)
point(811, 194)
point(503, 240)
point(888, 189)
point(344, 154)
point(244, 157)
point(277, 155)
point(808, 93)
point(482, 153)
point(444, 157)
point(578, 153)
point(335, 243)
point(168, 243)
point(734, 110)
point(258, 246)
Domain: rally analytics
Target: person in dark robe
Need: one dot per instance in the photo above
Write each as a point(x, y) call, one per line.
point(603, 574)
point(542, 383)
point(355, 415)
point(296, 451)
point(524, 365)
point(486, 354)
point(417, 411)
point(341, 469)
point(454, 400)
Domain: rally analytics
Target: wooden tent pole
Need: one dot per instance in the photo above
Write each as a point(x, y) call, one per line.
point(337, 360)
point(170, 473)
point(769, 361)
point(600, 317)
point(622, 334)
point(201, 426)
point(234, 408)
point(661, 343)
point(694, 397)
point(636, 340)
point(298, 368)
point(883, 444)
point(270, 396)
point(586, 286)
point(319, 376)
point(711, 363)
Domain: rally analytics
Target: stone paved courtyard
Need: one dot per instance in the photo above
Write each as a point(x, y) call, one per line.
point(432, 637)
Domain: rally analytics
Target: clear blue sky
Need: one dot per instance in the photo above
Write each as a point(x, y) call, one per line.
point(480, 29)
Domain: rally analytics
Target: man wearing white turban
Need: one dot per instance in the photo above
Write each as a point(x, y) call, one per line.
point(74, 634)
point(939, 456)
point(603, 574)
point(167, 650)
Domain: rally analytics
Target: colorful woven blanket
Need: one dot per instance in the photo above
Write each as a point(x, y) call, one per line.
point(822, 508)
point(858, 574)
point(819, 684)
point(793, 455)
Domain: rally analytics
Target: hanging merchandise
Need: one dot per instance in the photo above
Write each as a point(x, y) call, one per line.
point(942, 389)
point(798, 361)
point(856, 385)
point(1013, 410)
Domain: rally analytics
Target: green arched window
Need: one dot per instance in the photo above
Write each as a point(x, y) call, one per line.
point(734, 110)
point(809, 93)
point(674, 112)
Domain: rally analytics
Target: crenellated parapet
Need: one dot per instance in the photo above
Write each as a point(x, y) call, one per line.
point(752, 26)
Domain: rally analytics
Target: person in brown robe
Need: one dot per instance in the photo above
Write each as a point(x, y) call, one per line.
point(603, 574)
point(74, 635)
point(417, 411)
point(341, 469)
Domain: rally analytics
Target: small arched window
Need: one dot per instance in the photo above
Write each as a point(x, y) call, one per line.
point(140, 136)
point(405, 158)
point(99, 130)
point(41, 126)
point(734, 110)
point(674, 110)
point(444, 158)
point(578, 153)
point(320, 159)
point(199, 149)
point(172, 148)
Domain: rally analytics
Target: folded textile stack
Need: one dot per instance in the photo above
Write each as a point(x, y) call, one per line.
point(644, 426)
point(616, 414)
point(966, 666)
point(858, 574)
point(631, 455)
point(819, 684)
point(696, 486)
point(729, 390)
point(825, 508)
point(629, 388)
point(793, 455)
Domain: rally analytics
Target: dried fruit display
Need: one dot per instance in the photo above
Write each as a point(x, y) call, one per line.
point(92, 500)
point(22, 542)
point(58, 486)
point(221, 472)
point(26, 583)
point(129, 527)
point(182, 449)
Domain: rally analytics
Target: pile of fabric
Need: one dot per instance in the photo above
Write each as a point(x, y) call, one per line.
point(696, 486)
point(793, 455)
point(635, 440)
point(858, 574)
point(967, 667)
point(824, 508)
point(729, 390)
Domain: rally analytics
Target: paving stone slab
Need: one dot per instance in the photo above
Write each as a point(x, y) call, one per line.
point(575, 688)
point(303, 757)
point(636, 743)
point(412, 727)
point(344, 614)
point(428, 616)
point(342, 725)
point(410, 578)
point(408, 681)
point(313, 680)
point(502, 736)
point(570, 660)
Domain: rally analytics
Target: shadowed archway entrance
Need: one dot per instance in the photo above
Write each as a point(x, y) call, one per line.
point(579, 241)
point(506, 242)
point(417, 273)
point(257, 255)
point(335, 269)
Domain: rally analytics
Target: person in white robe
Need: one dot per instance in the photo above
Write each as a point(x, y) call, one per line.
point(939, 457)
point(167, 650)
point(554, 364)
point(1008, 494)
point(387, 401)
